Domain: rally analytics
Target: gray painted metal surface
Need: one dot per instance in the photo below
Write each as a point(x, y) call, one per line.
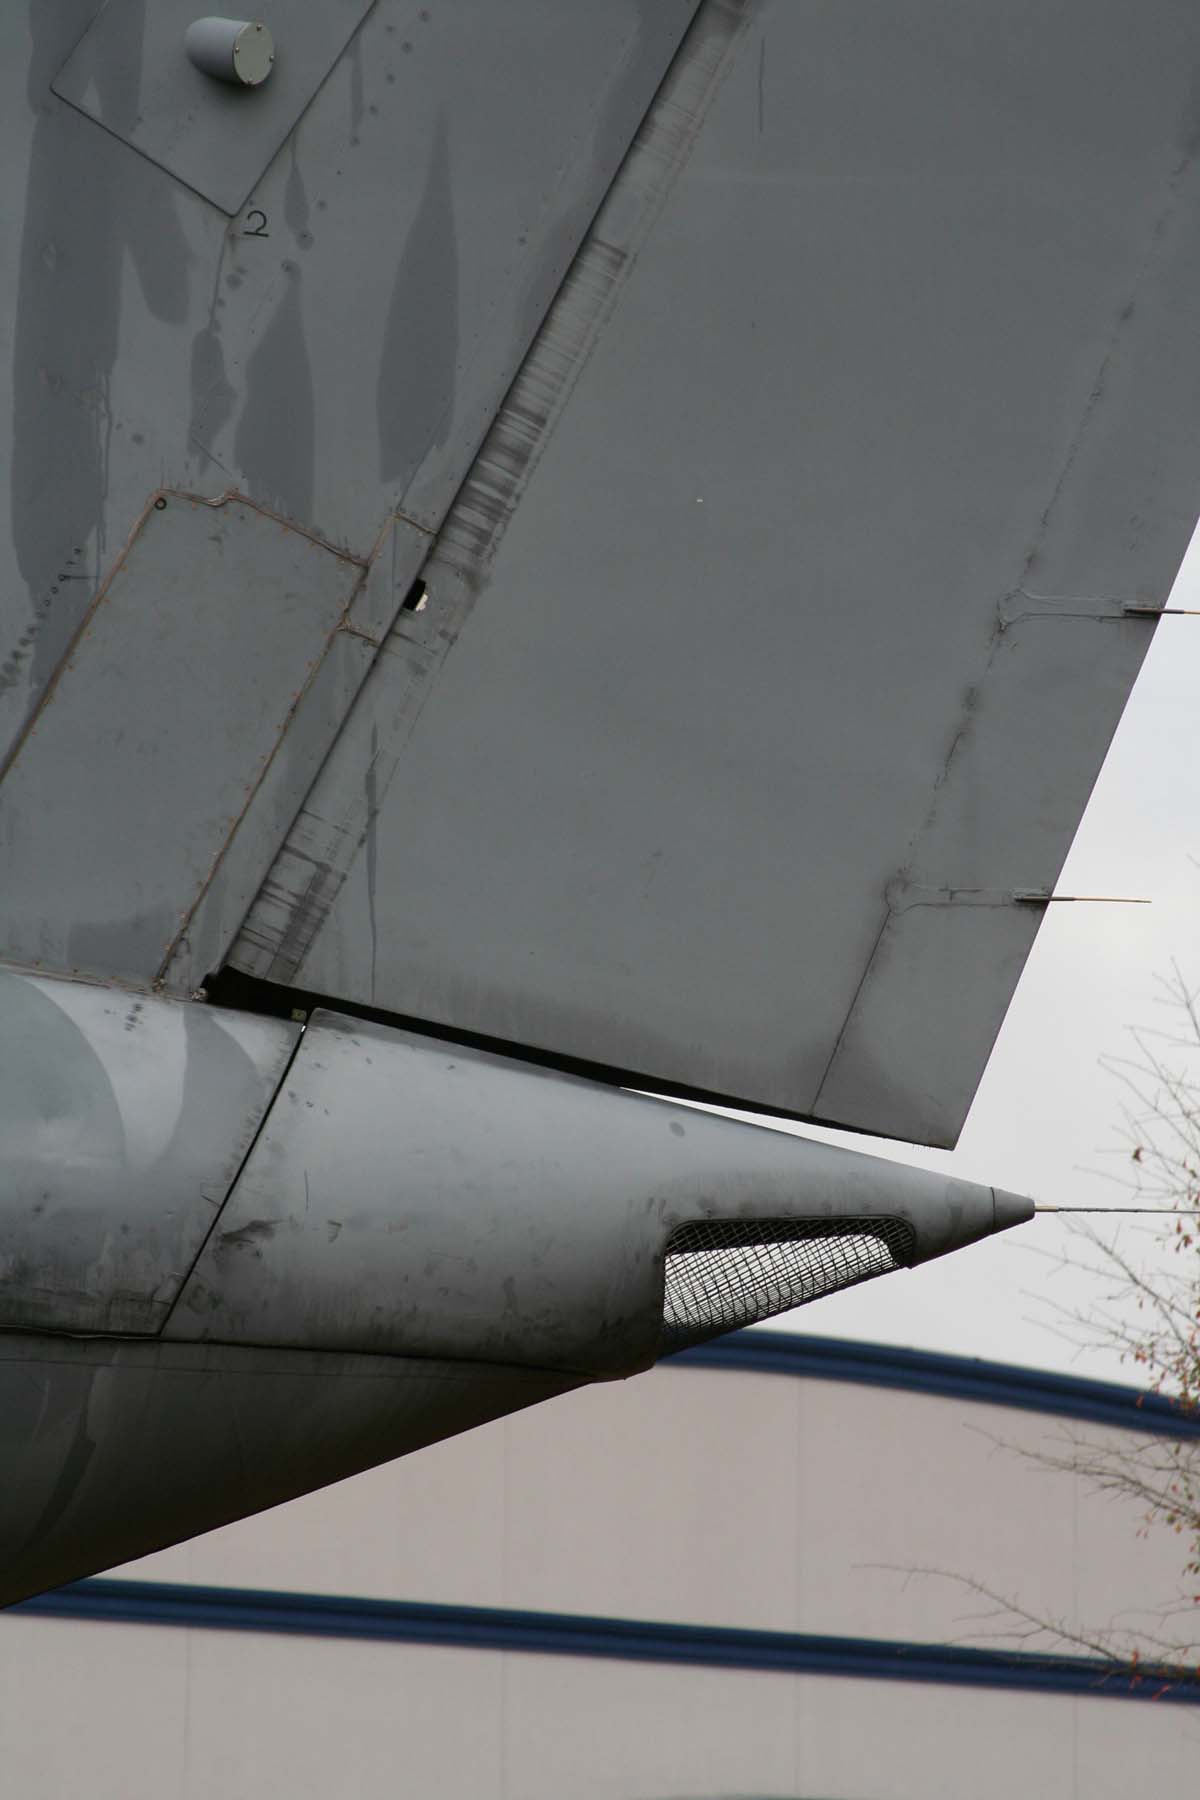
point(418, 1198)
point(776, 623)
point(158, 727)
point(114, 1449)
point(123, 1121)
point(351, 331)
point(789, 630)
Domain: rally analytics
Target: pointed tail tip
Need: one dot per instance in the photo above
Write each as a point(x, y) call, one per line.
point(1010, 1209)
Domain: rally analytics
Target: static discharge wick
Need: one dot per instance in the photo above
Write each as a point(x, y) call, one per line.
point(1188, 1212)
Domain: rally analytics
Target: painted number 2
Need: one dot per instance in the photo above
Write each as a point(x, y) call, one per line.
point(255, 224)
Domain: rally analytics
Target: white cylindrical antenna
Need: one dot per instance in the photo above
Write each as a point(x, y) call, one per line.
point(233, 50)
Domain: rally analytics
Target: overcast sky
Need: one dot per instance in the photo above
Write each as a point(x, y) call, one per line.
point(1047, 1117)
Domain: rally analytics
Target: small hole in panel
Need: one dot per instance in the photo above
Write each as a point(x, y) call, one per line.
point(417, 597)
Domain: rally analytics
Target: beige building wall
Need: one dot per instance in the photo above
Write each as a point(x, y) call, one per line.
point(130, 1713)
point(720, 1498)
point(695, 1495)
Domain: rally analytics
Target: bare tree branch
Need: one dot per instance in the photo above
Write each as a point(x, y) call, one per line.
point(1151, 1317)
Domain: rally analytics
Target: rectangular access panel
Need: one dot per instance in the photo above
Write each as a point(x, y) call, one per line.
point(121, 797)
point(130, 73)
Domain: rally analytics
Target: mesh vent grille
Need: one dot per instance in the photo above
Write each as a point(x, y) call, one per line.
point(722, 1274)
